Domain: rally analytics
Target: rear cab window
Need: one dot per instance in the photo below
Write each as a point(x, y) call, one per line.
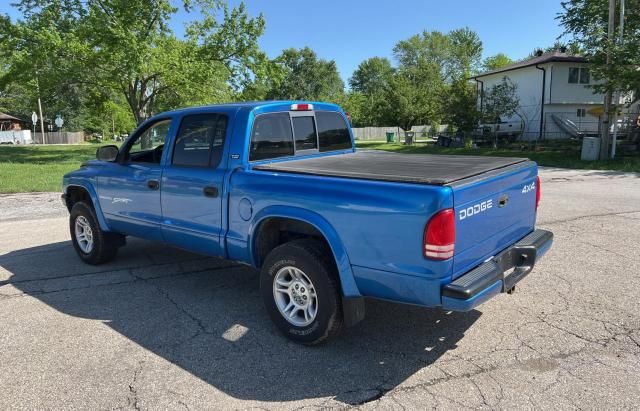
point(286, 134)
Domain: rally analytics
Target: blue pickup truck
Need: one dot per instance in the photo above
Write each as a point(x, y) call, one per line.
point(279, 185)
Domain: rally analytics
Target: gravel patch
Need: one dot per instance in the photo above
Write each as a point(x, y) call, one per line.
point(31, 206)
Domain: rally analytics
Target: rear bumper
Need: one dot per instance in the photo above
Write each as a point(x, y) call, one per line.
point(499, 274)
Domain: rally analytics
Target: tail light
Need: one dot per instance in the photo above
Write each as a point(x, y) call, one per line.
point(440, 235)
point(538, 192)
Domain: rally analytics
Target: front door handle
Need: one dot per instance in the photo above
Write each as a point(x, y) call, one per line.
point(153, 184)
point(210, 191)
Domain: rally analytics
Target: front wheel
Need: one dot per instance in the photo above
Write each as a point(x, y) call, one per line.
point(92, 245)
point(300, 289)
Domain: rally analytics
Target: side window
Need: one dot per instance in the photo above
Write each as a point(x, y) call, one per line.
point(147, 146)
point(271, 137)
point(574, 75)
point(200, 140)
point(304, 131)
point(579, 75)
point(332, 131)
point(584, 75)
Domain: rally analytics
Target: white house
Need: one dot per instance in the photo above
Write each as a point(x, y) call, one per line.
point(555, 98)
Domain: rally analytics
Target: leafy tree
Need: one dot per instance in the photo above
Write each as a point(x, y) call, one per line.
point(461, 106)
point(466, 52)
point(268, 75)
point(431, 66)
point(586, 21)
point(495, 62)
point(355, 103)
point(415, 96)
point(372, 76)
point(306, 77)
point(371, 80)
point(501, 101)
point(74, 48)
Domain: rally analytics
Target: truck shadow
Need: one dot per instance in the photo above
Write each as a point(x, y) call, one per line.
point(206, 316)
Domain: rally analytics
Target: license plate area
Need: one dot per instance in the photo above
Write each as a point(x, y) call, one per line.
point(516, 263)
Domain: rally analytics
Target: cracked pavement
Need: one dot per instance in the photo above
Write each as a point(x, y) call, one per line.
point(160, 328)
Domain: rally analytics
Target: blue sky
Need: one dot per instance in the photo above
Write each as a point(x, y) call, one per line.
point(350, 31)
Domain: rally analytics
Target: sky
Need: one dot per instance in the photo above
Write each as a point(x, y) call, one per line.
point(350, 31)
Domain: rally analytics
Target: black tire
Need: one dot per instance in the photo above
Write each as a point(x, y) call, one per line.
point(105, 245)
point(317, 263)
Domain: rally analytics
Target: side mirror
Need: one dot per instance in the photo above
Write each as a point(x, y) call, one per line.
point(107, 153)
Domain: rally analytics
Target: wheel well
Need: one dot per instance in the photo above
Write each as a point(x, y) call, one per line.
point(76, 194)
point(275, 231)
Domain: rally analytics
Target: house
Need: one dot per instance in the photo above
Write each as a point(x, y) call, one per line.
point(555, 98)
point(8, 122)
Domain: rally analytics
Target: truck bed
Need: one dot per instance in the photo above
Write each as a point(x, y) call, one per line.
point(384, 166)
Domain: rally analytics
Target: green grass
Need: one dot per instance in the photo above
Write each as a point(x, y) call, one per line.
point(39, 168)
point(549, 154)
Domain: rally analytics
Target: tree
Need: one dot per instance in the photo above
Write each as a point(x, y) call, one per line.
point(501, 100)
point(461, 106)
point(125, 47)
point(415, 96)
point(466, 52)
point(372, 76)
point(586, 21)
point(431, 66)
point(371, 80)
point(306, 77)
point(495, 62)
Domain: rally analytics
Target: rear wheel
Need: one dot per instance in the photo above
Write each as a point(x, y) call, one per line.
point(92, 245)
point(300, 289)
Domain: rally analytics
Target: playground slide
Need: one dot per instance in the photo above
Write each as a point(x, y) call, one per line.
point(567, 126)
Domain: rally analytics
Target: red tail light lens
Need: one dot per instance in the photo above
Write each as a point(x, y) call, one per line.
point(301, 107)
point(538, 192)
point(440, 235)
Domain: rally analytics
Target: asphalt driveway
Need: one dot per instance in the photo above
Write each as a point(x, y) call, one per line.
point(164, 329)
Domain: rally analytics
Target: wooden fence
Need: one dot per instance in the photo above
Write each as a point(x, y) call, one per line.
point(380, 133)
point(60, 137)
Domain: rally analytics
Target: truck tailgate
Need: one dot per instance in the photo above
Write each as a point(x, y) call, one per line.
point(492, 211)
point(383, 166)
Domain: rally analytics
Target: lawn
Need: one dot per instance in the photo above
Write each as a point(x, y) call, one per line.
point(39, 168)
point(549, 154)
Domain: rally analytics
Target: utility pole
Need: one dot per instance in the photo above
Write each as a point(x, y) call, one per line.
point(606, 116)
point(44, 141)
point(618, 94)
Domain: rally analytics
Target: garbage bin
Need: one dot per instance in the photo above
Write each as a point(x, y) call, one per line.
point(391, 137)
point(408, 137)
point(590, 148)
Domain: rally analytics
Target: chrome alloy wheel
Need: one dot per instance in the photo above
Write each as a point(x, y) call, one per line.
point(295, 296)
point(84, 234)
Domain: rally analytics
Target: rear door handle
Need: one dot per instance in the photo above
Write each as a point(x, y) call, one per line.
point(210, 191)
point(153, 184)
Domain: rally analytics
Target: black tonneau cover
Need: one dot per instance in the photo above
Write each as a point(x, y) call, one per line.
point(407, 168)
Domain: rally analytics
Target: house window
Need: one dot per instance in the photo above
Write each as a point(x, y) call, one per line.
point(582, 112)
point(579, 75)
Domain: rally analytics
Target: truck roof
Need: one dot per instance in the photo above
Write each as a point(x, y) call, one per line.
point(252, 105)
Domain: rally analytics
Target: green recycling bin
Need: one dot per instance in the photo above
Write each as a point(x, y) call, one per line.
point(391, 137)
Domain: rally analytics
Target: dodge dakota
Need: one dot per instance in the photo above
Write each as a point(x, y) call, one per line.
point(280, 186)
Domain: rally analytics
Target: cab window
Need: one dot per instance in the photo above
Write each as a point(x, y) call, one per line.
point(333, 131)
point(147, 146)
point(271, 137)
point(200, 140)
